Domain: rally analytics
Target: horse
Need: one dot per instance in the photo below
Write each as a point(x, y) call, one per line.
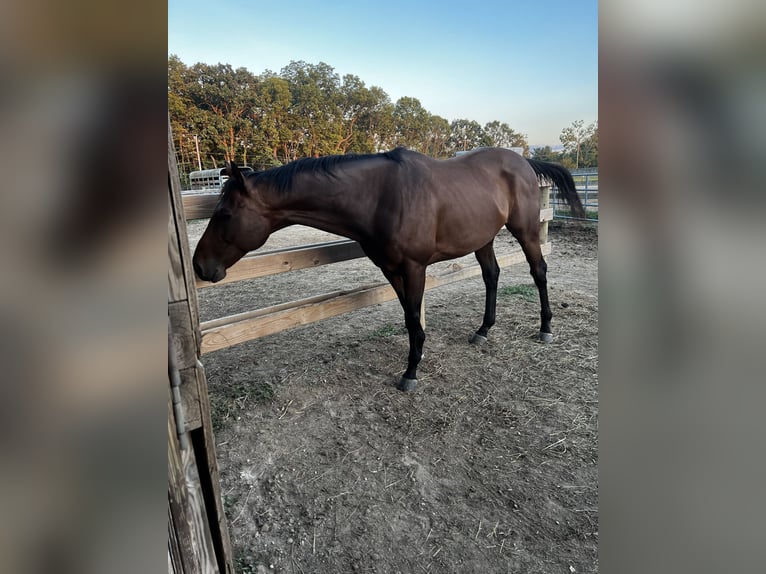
point(406, 211)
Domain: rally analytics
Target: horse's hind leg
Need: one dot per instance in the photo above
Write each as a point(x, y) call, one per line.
point(490, 271)
point(529, 239)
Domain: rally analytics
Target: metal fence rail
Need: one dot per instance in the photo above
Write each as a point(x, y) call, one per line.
point(586, 182)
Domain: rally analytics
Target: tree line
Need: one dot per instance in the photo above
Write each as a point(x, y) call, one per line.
point(220, 114)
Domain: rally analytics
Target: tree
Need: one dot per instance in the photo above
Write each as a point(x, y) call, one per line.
point(501, 135)
point(315, 91)
point(437, 137)
point(589, 149)
point(360, 108)
point(308, 110)
point(272, 118)
point(466, 135)
point(545, 153)
point(377, 123)
point(180, 110)
point(222, 98)
point(411, 123)
point(573, 136)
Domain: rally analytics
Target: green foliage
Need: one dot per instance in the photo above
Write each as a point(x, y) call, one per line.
point(234, 399)
point(546, 153)
point(411, 123)
point(386, 331)
point(527, 292)
point(244, 564)
point(580, 144)
point(501, 135)
point(466, 135)
point(309, 110)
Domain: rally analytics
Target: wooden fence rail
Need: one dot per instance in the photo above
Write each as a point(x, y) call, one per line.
point(227, 331)
point(289, 259)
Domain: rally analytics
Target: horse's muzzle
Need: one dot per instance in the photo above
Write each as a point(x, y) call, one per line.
point(213, 273)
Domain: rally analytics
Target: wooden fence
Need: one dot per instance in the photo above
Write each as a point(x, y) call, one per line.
point(198, 536)
point(231, 330)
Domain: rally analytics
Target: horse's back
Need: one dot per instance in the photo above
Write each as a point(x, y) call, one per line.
point(495, 159)
point(462, 202)
point(442, 209)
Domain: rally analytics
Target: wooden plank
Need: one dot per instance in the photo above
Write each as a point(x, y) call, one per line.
point(291, 259)
point(227, 331)
point(176, 282)
point(181, 533)
point(199, 205)
point(183, 334)
point(517, 256)
point(188, 524)
point(212, 479)
point(296, 315)
point(545, 208)
point(179, 553)
point(178, 231)
point(230, 319)
point(190, 398)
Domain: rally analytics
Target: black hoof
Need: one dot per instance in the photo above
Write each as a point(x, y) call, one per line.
point(477, 339)
point(407, 385)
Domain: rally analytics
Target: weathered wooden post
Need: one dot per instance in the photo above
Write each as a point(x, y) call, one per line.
point(545, 204)
point(198, 536)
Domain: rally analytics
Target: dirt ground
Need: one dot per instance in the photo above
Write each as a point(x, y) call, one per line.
point(490, 466)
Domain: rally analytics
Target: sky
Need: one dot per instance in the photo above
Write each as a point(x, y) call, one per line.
point(531, 64)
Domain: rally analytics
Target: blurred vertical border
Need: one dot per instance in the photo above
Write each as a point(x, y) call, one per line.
point(83, 222)
point(682, 102)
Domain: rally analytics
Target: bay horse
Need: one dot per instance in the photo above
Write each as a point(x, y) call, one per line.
point(406, 211)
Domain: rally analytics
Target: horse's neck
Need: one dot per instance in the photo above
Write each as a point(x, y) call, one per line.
point(331, 209)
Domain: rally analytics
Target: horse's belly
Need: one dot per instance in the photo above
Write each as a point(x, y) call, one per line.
point(464, 231)
point(462, 240)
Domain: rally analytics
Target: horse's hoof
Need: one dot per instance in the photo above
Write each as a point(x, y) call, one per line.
point(477, 339)
point(407, 385)
point(546, 337)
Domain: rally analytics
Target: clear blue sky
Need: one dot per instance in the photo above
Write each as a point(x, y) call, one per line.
point(530, 64)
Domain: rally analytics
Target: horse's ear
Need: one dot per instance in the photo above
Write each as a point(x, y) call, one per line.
point(233, 172)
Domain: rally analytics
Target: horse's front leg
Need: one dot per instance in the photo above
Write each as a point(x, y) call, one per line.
point(409, 286)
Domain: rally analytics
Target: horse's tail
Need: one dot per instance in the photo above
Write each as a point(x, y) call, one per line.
point(563, 181)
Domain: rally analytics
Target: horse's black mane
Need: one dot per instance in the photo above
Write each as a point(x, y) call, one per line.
point(282, 177)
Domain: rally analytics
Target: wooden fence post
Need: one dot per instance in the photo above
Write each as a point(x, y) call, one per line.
point(545, 203)
point(198, 536)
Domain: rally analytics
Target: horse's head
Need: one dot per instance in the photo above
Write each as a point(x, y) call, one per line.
point(238, 225)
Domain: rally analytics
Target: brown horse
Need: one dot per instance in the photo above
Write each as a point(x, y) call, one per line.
point(404, 209)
